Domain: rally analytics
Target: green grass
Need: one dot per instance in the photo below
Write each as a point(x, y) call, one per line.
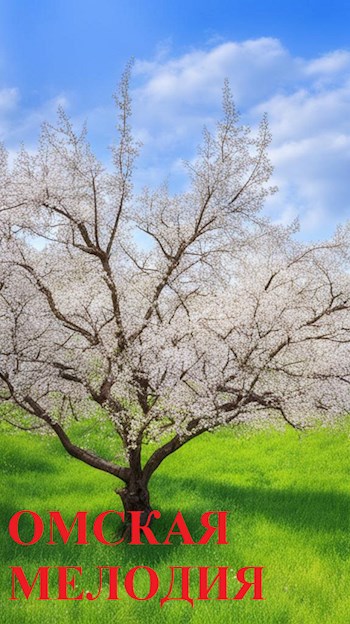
point(289, 502)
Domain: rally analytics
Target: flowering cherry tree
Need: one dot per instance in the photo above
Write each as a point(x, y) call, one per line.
point(220, 319)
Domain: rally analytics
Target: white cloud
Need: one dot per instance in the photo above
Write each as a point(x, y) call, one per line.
point(19, 124)
point(329, 64)
point(307, 100)
point(199, 74)
point(308, 103)
point(8, 99)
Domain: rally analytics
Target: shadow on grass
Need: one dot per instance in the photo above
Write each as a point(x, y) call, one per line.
point(324, 511)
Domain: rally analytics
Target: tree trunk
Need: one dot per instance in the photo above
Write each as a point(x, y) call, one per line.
point(135, 497)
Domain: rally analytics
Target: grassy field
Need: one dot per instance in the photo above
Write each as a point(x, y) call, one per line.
point(289, 503)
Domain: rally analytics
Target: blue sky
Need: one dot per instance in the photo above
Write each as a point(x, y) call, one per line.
point(291, 59)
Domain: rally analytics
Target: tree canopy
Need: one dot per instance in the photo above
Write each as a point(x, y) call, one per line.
point(219, 318)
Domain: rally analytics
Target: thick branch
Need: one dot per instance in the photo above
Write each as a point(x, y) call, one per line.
point(75, 451)
point(167, 449)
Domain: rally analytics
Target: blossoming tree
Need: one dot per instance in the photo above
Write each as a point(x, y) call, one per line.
point(221, 318)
